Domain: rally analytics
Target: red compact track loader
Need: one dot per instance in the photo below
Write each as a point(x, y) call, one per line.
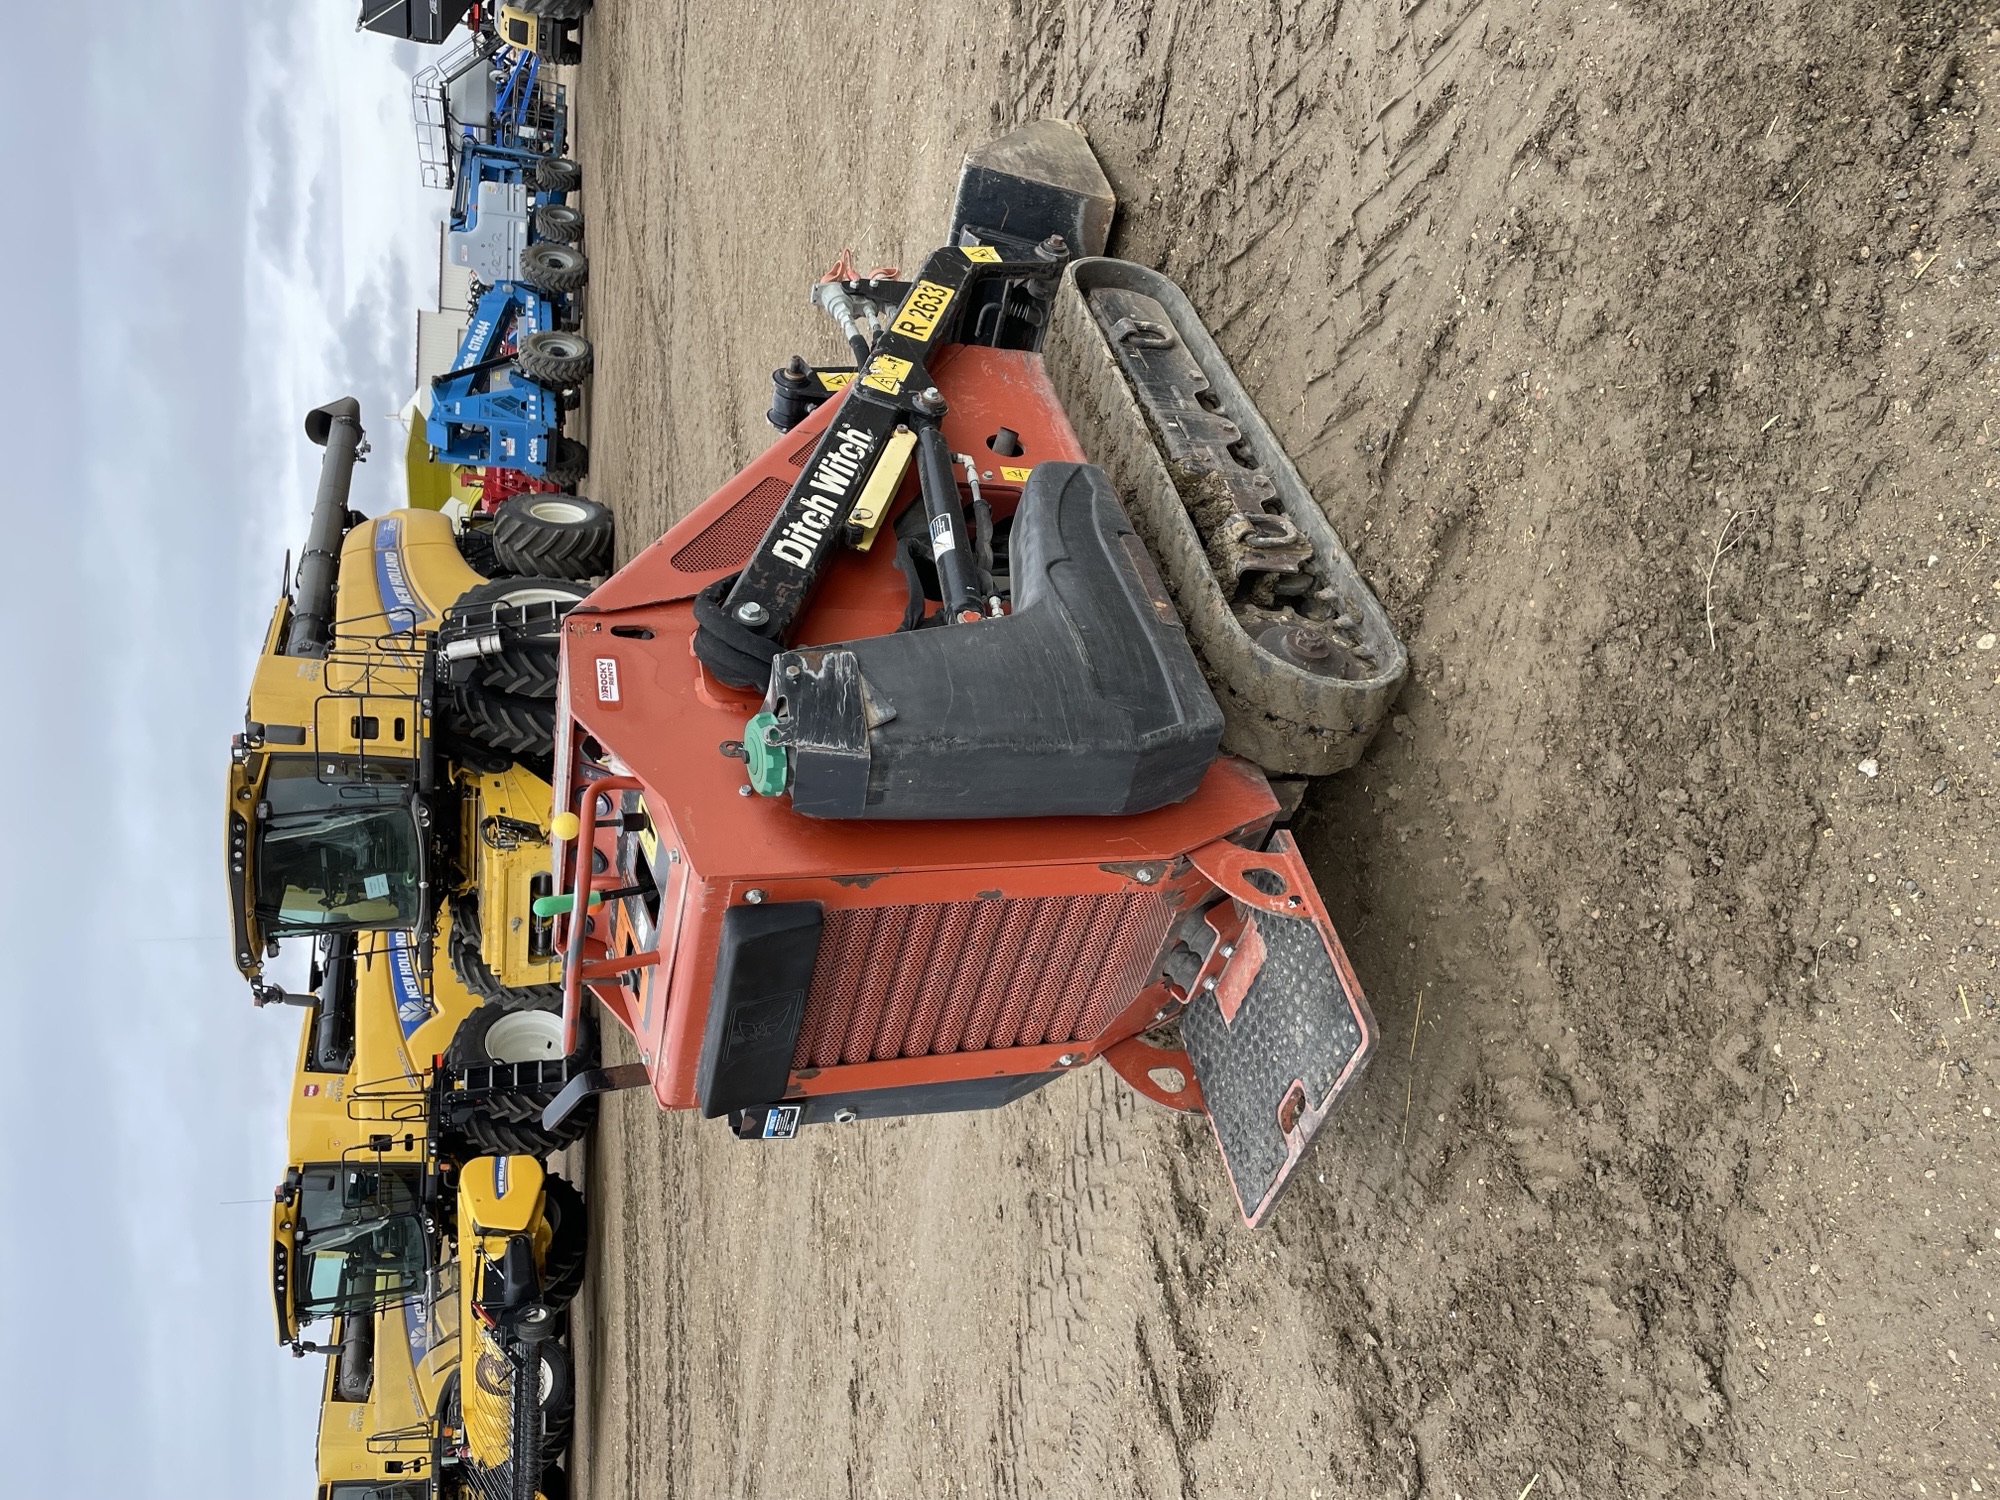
point(931, 757)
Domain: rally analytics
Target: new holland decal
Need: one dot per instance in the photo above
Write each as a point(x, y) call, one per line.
point(413, 1006)
point(400, 603)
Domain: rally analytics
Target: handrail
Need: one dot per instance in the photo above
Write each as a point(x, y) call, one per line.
point(579, 912)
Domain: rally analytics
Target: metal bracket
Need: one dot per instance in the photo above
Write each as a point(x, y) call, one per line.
point(1135, 1059)
point(1244, 874)
point(586, 1084)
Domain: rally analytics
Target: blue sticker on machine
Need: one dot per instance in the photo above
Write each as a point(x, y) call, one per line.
point(782, 1122)
point(416, 1330)
point(400, 603)
point(413, 1006)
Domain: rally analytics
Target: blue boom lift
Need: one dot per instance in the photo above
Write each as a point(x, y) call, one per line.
point(492, 127)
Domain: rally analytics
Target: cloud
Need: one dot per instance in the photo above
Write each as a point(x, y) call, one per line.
point(228, 229)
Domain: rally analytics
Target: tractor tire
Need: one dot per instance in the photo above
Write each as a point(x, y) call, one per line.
point(569, 1242)
point(526, 673)
point(555, 359)
point(490, 1135)
point(508, 722)
point(525, 668)
point(558, 174)
point(554, 536)
point(511, 1125)
point(561, 222)
point(462, 948)
point(568, 462)
point(557, 1393)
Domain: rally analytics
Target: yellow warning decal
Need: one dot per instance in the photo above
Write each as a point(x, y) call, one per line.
point(886, 373)
point(1013, 476)
point(834, 380)
point(980, 252)
point(921, 310)
point(865, 520)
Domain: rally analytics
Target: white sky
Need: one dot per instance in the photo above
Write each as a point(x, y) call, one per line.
point(218, 223)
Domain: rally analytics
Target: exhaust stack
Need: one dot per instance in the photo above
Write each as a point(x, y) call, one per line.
point(336, 427)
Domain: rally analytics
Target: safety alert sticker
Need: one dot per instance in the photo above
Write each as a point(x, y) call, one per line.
point(984, 253)
point(1010, 475)
point(781, 1122)
point(886, 373)
point(834, 380)
point(607, 680)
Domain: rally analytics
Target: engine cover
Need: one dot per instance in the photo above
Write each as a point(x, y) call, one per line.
point(1087, 699)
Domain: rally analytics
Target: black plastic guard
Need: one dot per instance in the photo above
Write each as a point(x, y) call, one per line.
point(762, 972)
point(1039, 179)
point(1270, 1075)
point(1087, 699)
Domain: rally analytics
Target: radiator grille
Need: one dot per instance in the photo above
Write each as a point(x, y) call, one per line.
point(915, 981)
point(726, 542)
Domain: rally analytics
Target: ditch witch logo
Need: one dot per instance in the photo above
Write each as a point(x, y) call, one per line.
point(825, 496)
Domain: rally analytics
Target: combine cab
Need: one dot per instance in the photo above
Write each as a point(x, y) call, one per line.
point(930, 759)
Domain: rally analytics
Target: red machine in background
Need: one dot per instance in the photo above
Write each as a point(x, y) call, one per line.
point(497, 486)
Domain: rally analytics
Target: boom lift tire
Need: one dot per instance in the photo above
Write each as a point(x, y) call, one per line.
point(555, 268)
point(558, 174)
point(568, 462)
point(462, 948)
point(555, 359)
point(561, 222)
point(554, 536)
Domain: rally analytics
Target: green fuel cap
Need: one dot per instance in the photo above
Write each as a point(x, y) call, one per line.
point(769, 763)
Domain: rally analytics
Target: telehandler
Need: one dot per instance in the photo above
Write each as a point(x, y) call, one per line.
point(395, 750)
point(946, 748)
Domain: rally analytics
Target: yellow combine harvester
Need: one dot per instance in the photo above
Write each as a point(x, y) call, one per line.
point(390, 1224)
point(395, 750)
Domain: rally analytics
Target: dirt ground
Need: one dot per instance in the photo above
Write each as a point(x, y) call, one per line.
point(1647, 357)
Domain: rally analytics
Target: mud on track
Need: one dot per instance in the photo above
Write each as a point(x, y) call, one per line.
point(1646, 355)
